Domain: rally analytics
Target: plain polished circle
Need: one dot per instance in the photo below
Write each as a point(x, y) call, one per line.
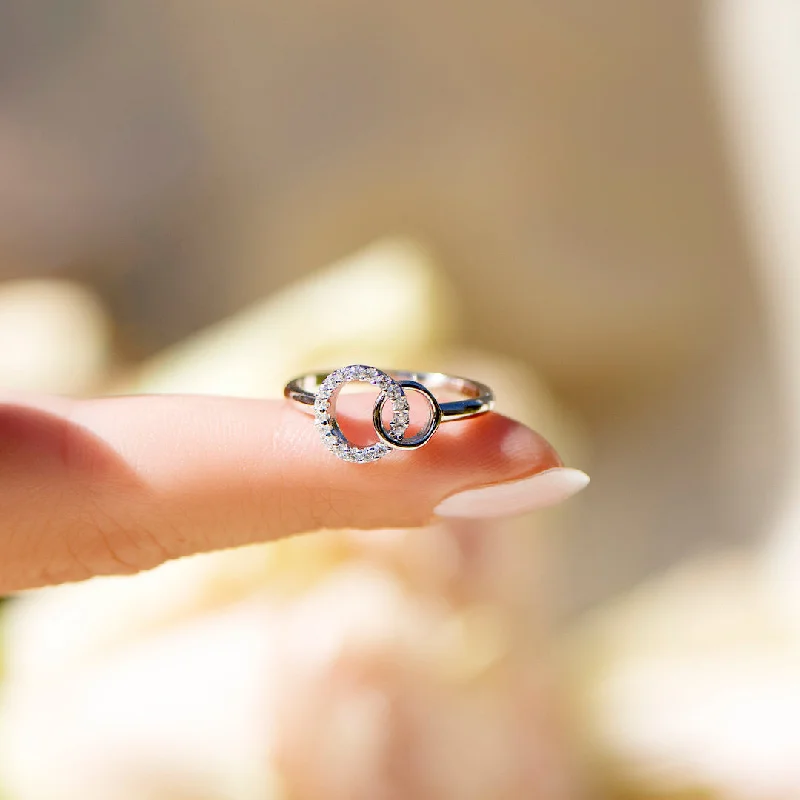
point(316, 393)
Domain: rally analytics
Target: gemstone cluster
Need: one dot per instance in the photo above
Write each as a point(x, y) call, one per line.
point(325, 412)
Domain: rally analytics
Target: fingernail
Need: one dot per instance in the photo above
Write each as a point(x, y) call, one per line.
point(515, 497)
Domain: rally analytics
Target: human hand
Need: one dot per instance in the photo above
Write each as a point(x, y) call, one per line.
point(119, 485)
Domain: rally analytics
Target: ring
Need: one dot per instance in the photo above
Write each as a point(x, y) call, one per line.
point(316, 393)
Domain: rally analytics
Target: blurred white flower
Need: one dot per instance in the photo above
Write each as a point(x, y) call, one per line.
point(54, 337)
point(692, 685)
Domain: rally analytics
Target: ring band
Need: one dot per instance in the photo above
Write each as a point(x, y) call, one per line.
point(316, 393)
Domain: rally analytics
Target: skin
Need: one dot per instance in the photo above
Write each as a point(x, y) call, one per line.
point(119, 485)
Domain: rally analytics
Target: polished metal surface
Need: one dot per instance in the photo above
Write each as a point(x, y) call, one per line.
point(478, 398)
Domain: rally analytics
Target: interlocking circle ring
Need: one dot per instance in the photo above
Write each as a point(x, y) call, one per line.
point(316, 393)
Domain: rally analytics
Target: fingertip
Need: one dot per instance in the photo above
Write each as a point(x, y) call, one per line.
point(492, 448)
point(522, 444)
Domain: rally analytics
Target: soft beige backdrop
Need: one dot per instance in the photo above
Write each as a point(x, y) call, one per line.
point(609, 191)
point(565, 160)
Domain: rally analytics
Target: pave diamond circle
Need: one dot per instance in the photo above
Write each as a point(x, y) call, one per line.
point(325, 412)
point(395, 437)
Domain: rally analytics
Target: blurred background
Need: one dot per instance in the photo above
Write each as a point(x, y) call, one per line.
point(589, 205)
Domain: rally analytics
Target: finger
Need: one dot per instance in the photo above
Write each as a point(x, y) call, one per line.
point(122, 484)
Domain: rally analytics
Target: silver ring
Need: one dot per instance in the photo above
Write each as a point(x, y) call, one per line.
point(316, 393)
